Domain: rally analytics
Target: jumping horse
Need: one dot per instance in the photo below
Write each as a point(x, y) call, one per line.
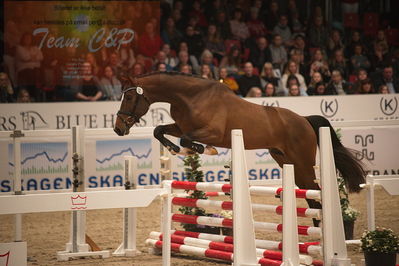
point(205, 111)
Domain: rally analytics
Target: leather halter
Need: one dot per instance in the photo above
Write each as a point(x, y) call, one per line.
point(132, 117)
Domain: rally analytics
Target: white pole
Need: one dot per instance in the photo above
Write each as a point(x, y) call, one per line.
point(290, 223)
point(244, 232)
point(16, 135)
point(166, 220)
point(370, 202)
point(334, 247)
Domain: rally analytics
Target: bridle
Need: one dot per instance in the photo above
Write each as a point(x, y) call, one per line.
point(132, 118)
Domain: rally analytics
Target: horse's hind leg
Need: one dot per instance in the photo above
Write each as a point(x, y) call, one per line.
point(171, 129)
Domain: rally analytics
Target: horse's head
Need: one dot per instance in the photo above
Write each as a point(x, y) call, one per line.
point(134, 105)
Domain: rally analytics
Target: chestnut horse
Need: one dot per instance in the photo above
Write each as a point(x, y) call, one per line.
point(206, 111)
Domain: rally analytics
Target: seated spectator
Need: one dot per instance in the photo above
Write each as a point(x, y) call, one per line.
point(300, 44)
point(111, 85)
point(198, 13)
point(254, 92)
point(383, 89)
point(171, 59)
point(295, 24)
point(267, 75)
point(293, 80)
point(319, 89)
point(161, 58)
point(270, 90)
point(273, 15)
point(337, 85)
point(319, 64)
point(126, 56)
point(194, 42)
point(28, 58)
point(395, 60)
point(184, 57)
point(381, 40)
point(232, 61)
point(150, 41)
point(185, 68)
point(207, 59)
point(24, 96)
point(387, 78)
point(359, 60)
point(248, 80)
point(366, 87)
point(292, 69)
point(361, 75)
point(260, 54)
point(283, 30)
point(205, 72)
point(171, 35)
point(297, 56)
point(255, 25)
point(6, 90)
point(278, 52)
point(317, 33)
point(238, 28)
point(223, 25)
point(293, 90)
point(214, 42)
point(354, 40)
point(161, 67)
point(316, 79)
point(88, 87)
point(334, 42)
point(229, 81)
point(378, 59)
point(116, 65)
point(338, 61)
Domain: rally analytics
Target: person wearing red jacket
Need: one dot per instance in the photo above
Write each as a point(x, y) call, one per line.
point(150, 42)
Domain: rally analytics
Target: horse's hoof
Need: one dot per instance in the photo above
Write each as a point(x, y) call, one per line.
point(210, 150)
point(173, 151)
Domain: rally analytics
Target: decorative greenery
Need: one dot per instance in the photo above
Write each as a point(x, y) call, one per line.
point(348, 213)
point(193, 174)
point(380, 240)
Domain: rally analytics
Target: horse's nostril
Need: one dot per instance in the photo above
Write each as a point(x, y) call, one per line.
point(118, 131)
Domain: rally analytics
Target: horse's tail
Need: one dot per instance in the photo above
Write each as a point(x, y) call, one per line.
point(346, 162)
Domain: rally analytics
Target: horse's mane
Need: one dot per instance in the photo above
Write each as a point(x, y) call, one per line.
point(170, 73)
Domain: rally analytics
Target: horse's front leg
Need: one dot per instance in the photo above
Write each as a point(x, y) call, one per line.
point(203, 135)
point(171, 129)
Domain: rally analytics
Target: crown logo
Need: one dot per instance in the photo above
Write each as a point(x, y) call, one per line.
point(4, 258)
point(78, 202)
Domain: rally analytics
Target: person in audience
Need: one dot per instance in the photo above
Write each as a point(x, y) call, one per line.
point(381, 40)
point(270, 90)
point(127, 56)
point(232, 61)
point(337, 85)
point(378, 59)
point(28, 58)
point(194, 42)
point(319, 89)
point(184, 57)
point(116, 65)
point(6, 89)
point(338, 61)
point(316, 79)
point(238, 28)
point(317, 33)
point(355, 39)
point(161, 59)
point(300, 44)
point(268, 75)
point(359, 60)
point(229, 81)
point(207, 59)
point(255, 26)
point(150, 41)
point(283, 30)
point(161, 67)
point(319, 64)
point(24, 96)
point(278, 52)
point(334, 42)
point(138, 69)
point(260, 54)
point(205, 72)
point(223, 25)
point(171, 59)
point(366, 87)
point(292, 69)
point(293, 80)
point(387, 78)
point(248, 79)
point(111, 85)
point(298, 57)
point(214, 42)
point(273, 15)
point(293, 90)
point(254, 92)
point(383, 89)
point(171, 35)
point(185, 68)
point(88, 87)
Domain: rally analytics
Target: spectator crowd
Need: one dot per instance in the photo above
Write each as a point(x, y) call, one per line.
point(256, 48)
